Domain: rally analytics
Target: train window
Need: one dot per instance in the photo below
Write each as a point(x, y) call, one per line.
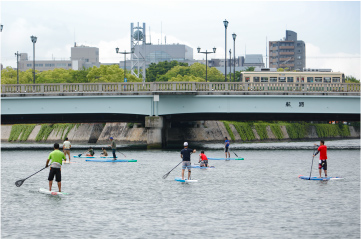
point(309, 79)
point(264, 79)
point(318, 79)
point(256, 79)
point(273, 79)
point(327, 79)
point(289, 79)
point(247, 79)
point(281, 79)
point(335, 79)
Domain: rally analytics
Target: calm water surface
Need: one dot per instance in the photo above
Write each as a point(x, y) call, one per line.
point(260, 197)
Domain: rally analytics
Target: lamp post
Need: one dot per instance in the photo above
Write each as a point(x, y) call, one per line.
point(234, 56)
point(17, 65)
point(225, 22)
point(230, 65)
point(206, 52)
point(125, 54)
point(33, 40)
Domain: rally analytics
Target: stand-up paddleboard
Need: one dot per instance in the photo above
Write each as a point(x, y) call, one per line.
point(179, 179)
point(92, 157)
point(226, 158)
point(111, 160)
point(197, 166)
point(46, 191)
point(319, 179)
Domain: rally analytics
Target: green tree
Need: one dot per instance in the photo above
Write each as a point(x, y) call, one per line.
point(351, 79)
point(155, 71)
point(251, 68)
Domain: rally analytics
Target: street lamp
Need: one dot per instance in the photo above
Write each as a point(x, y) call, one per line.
point(225, 22)
point(125, 54)
point(206, 52)
point(33, 40)
point(230, 65)
point(17, 65)
point(234, 56)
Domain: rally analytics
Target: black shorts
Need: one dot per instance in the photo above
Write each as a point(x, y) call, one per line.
point(56, 172)
point(323, 165)
point(226, 149)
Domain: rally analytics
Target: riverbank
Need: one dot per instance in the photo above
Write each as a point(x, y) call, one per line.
point(131, 135)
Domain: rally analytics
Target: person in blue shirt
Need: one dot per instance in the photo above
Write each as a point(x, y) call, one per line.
point(226, 147)
point(186, 157)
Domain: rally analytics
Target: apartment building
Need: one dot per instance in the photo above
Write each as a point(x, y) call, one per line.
point(288, 52)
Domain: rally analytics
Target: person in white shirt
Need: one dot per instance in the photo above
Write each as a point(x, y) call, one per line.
point(66, 148)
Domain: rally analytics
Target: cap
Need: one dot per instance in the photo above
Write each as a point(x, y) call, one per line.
point(185, 144)
point(111, 138)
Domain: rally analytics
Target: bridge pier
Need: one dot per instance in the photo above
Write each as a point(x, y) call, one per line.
point(154, 125)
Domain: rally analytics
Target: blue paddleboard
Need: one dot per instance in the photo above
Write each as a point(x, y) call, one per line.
point(93, 157)
point(179, 179)
point(318, 179)
point(111, 160)
point(197, 166)
point(226, 158)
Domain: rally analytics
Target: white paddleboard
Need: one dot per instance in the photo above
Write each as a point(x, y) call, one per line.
point(179, 179)
point(46, 191)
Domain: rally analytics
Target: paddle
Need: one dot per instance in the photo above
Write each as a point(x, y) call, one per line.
point(235, 154)
point(122, 153)
point(312, 164)
point(166, 175)
point(20, 182)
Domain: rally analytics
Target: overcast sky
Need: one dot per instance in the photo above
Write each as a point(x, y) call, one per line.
point(330, 29)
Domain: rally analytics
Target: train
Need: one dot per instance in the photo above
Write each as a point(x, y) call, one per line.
point(292, 77)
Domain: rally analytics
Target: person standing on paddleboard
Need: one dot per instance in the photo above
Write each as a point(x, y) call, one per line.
point(66, 148)
point(186, 157)
point(56, 158)
point(113, 146)
point(322, 149)
point(203, 159)
point(226, 147)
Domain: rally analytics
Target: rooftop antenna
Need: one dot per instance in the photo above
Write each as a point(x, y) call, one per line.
point(266, 52)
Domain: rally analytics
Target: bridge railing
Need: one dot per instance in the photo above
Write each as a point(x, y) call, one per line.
point(180, 86)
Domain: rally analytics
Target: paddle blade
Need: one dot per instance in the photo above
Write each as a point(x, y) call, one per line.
point(79, 155)
point(165, 175)
point(19, 182)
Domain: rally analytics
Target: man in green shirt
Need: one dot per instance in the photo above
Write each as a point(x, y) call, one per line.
point(56, 158)
point(114, 147)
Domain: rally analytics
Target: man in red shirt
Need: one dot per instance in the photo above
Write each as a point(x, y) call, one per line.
point(203, 159)
point(322, 149)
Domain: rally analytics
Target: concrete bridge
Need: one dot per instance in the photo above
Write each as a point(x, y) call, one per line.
point(157, 104)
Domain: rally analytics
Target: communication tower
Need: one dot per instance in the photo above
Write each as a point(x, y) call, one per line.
point(138, 44)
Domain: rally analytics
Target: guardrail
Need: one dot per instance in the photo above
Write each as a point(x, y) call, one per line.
point(180, 87)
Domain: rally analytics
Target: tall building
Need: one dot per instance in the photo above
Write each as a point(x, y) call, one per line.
point(287, 53)
point(81, 56)
point(168, 52)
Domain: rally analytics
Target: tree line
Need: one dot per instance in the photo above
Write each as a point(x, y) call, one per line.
point(172, 71)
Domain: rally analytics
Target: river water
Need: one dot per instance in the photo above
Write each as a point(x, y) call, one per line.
point(260, 197)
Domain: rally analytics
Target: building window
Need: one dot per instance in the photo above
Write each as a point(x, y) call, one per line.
point(247, 79)
point(49, 65)
point(327, 79)
point(309, 79)
point(273, 79)
point(289, 79)
point(264, 79)
point(256, 79)
point(281, 79)
point(299, 51)
point(298, 57)
point(335, 79)
point(29, 65)
point(318, 79)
